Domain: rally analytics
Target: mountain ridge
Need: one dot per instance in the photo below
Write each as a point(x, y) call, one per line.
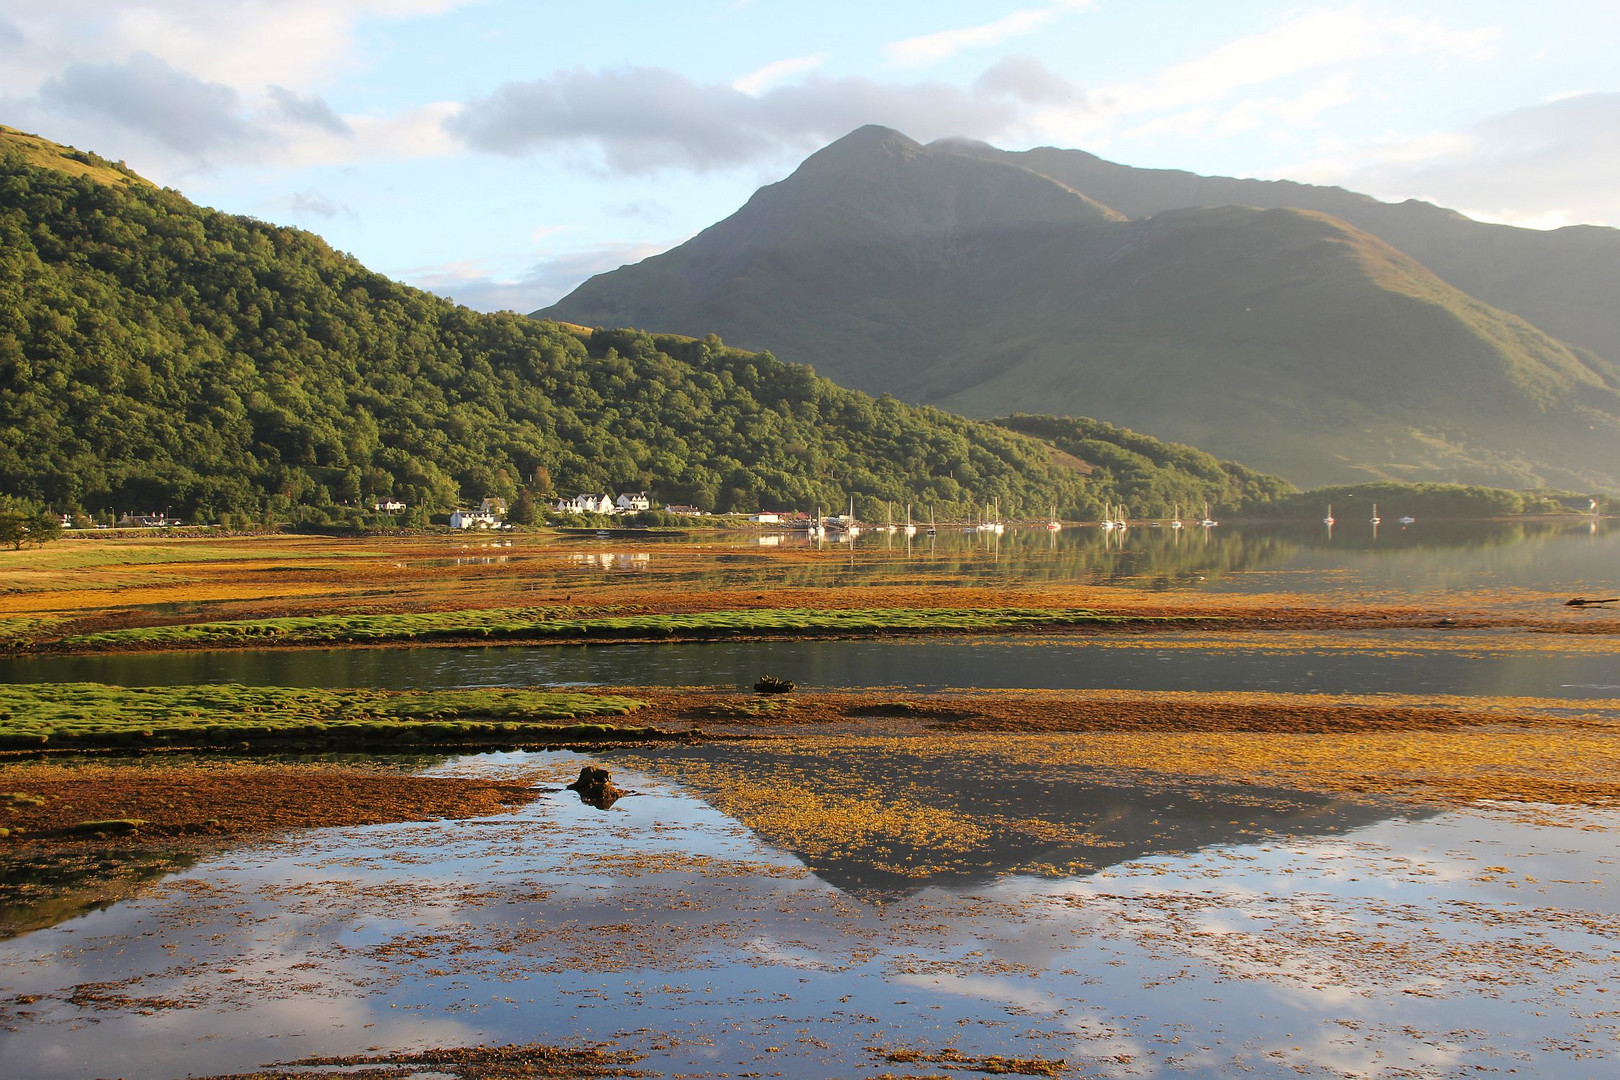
point(1477, 257)
point(1286, 337)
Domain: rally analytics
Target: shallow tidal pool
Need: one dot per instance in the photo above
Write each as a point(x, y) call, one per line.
point(1090, 928)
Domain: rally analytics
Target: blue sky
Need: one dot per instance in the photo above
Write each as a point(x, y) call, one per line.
point(502, 151)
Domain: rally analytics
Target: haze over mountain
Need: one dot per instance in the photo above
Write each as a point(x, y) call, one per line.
point(1290, 338)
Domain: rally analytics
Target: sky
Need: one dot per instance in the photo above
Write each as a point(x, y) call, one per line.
point(502, 151)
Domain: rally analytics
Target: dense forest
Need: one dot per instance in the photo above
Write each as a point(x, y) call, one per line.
point(156, 354)
point(1151, 477)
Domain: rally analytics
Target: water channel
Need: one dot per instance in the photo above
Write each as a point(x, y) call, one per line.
point(1369, 662)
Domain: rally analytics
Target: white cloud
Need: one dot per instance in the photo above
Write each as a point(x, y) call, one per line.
point(188, 85)
point(640, 120)
point(944, 44)
point(1548, 164)
point(1313, 40)
point(761, 79)
point(146, 95)
point(479, 286)
point(246, 44)
point(1028, 80)
point(312, 203)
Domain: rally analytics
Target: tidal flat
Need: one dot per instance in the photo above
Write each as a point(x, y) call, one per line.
point(1286, 809)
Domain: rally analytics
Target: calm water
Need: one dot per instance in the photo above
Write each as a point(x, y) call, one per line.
point(1438, 559)
point(1407, 662)
point(1211, 932)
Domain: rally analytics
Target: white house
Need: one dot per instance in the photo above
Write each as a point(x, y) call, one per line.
point(388, 506)
point(633, 502)
point(474, 519)
point(586, 504)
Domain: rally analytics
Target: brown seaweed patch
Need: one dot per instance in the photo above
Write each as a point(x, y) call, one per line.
point(992, 1064)
point(530, 1061)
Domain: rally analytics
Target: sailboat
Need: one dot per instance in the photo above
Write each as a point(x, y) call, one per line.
point(817, 529)
point(1053, 524)
point(851, 528)
point(889, 514)
point(932, 529)
point(1328, 520)
point(1208, 522)
point(1175, 521)
point(910, 529)
point(994, 524)
point(1375, 519)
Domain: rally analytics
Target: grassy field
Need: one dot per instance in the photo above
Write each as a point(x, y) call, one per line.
point(542, 624)
point(70, 715)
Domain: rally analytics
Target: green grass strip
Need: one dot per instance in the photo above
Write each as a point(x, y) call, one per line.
point(34, 715)
point(538, 624)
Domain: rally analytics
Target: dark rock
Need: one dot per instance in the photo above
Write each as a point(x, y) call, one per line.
point(596, 788)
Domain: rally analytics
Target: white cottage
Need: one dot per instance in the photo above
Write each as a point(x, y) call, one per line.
point(586, 504)
point(474, 519)
point(632, 502)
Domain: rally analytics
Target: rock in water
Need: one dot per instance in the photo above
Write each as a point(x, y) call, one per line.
point(597, 788)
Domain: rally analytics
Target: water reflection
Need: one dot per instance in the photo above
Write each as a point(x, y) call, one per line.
point(667, 928)
point(1015, 817)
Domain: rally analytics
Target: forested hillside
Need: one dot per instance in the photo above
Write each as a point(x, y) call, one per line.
point(155, 354)
point(1153, 478)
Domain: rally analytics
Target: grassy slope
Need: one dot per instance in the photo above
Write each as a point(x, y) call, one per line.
point(1309, 349)
point(44, 154)
point(1565, 281)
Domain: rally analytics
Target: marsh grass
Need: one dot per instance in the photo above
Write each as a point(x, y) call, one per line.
point(556, 624)
point(53, 715)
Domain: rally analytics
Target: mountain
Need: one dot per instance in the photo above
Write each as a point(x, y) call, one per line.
point(1285, 338)
point(1565, 281)
point(156, 354)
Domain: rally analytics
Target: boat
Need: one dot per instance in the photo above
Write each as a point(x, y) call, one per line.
point(1328, 520)
point(1375, 519)
point(1407, 519)
point(1053, 524)
point(816, 528)
point(852, 528)
point(910, 529)
point(994, 524)
point(889, 527)
point(1208, 522)
point(932, 529)
point(1175, 521)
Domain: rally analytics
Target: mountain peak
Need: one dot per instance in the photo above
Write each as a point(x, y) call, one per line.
point(860, 149)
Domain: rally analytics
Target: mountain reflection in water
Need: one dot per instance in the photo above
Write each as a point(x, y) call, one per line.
point(983, 820)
